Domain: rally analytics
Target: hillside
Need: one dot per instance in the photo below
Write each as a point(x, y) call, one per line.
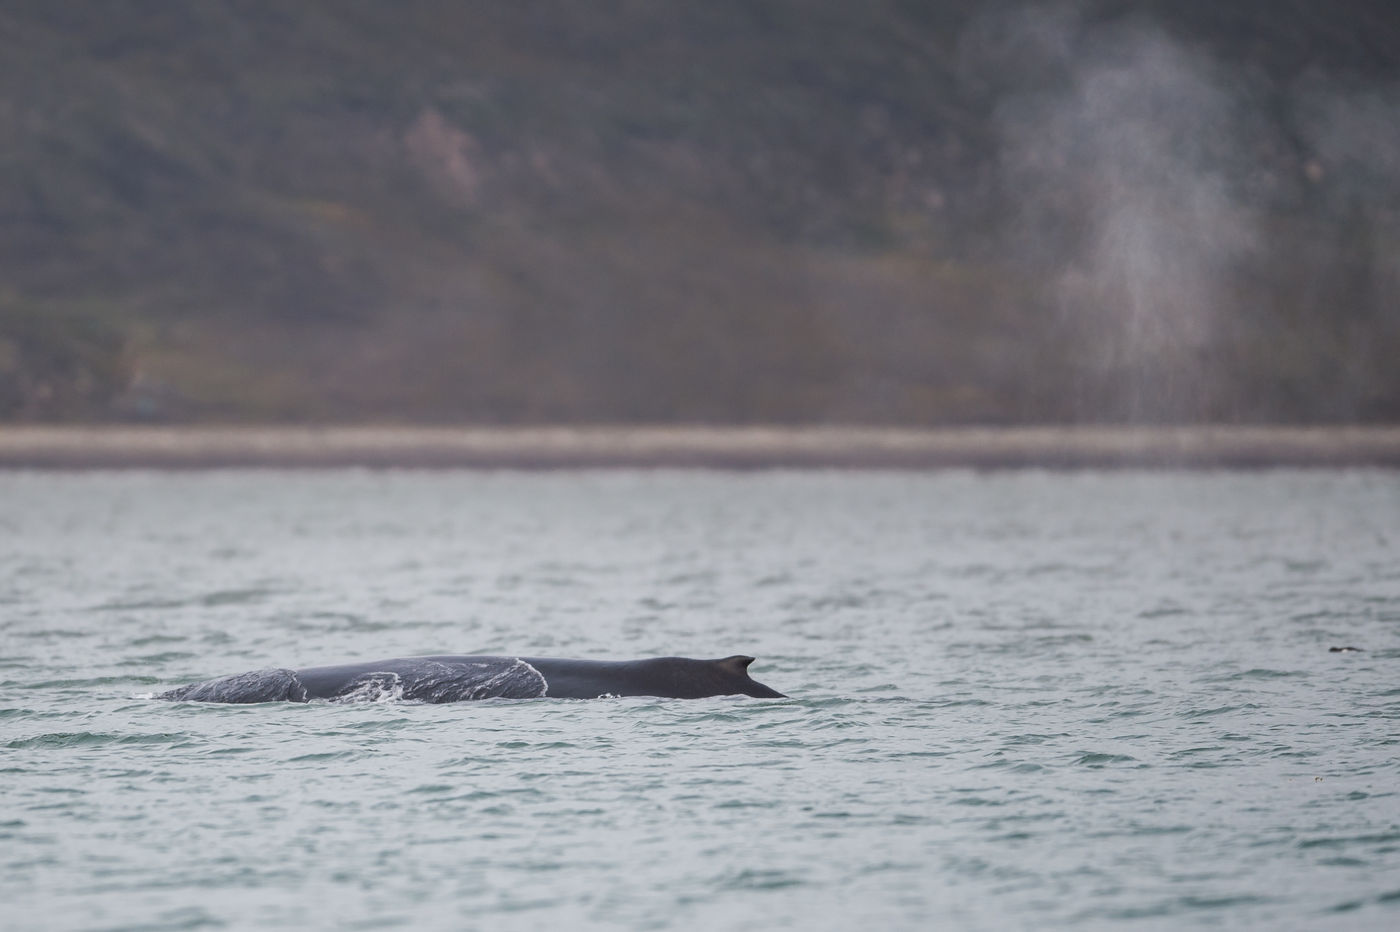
point(728, 212)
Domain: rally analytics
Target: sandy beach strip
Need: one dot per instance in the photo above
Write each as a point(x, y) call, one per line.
point(189, 447)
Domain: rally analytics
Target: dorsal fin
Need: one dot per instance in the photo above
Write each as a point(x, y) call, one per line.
point(737, 665)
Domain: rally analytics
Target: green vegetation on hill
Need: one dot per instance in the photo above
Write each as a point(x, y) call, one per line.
point(789, 211)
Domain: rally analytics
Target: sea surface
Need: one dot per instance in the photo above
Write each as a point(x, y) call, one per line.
point(1019, 700)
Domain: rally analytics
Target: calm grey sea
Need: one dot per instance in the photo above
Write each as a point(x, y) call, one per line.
point(1019, 700)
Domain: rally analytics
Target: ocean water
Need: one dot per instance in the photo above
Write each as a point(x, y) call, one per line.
point(1018, 700)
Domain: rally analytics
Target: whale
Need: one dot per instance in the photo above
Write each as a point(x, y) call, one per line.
point(466, 677)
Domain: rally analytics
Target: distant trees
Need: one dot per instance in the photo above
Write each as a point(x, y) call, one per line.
point(800, 211)
point(58, 365)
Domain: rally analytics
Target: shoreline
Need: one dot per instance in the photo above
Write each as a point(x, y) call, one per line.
point(1050, 447)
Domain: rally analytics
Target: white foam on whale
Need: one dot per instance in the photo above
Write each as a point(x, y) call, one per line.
point(373, 687)
point(529, 669)
point(436, 681)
